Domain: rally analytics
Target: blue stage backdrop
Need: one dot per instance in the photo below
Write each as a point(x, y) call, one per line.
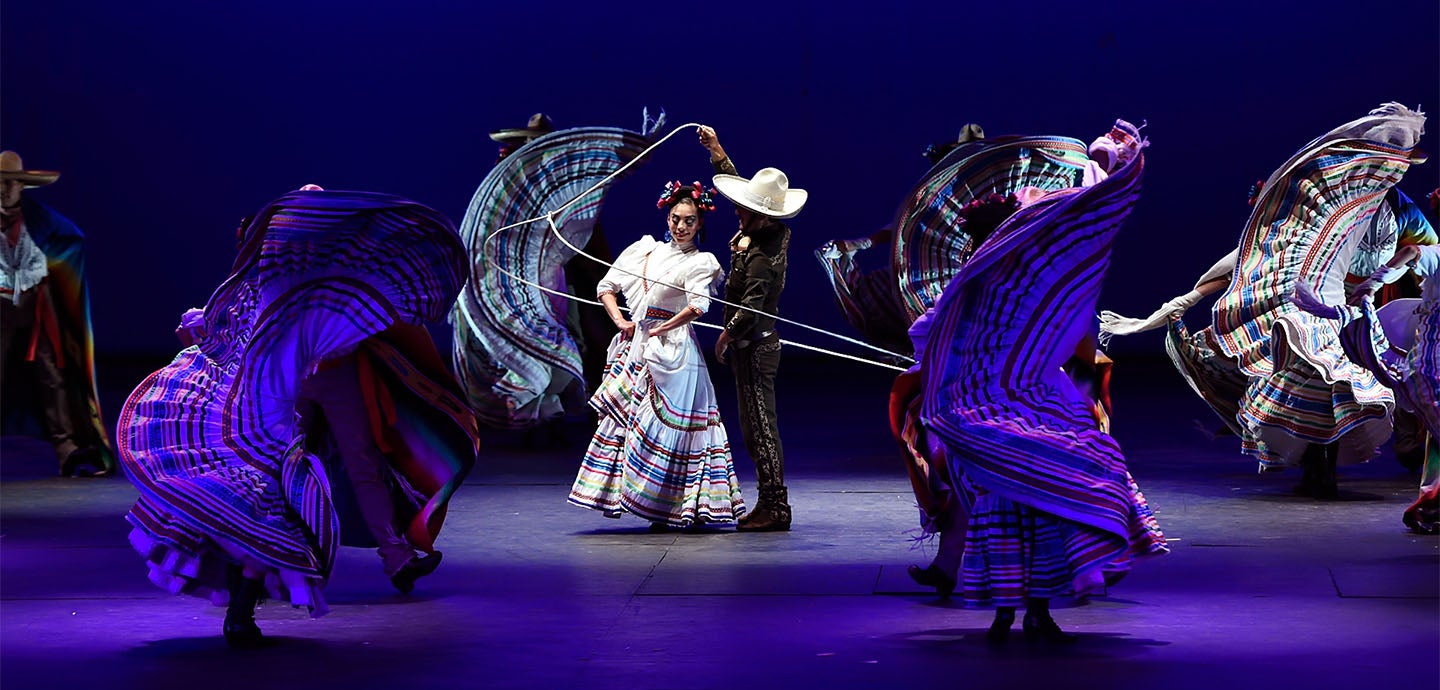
point(172, 120)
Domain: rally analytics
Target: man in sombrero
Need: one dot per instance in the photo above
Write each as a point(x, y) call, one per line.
point(758, 254)
point(45, 325)
point(511, 139)
point(968, 133)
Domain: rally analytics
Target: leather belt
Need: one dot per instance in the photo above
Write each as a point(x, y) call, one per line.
point(742, 344)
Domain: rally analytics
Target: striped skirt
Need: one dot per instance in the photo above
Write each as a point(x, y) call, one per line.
point(1313, 394)
point(660, 450)
point(211, 441)
point(1013, 552)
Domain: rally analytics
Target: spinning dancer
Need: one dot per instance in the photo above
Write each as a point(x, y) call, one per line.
point(1277, 375)
point(327, 288)
point(1054, 509)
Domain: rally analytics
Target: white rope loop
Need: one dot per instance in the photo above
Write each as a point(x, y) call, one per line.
point(549, 218)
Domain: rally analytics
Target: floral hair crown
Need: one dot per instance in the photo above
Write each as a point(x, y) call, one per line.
point(988, 201)
point(675, 191)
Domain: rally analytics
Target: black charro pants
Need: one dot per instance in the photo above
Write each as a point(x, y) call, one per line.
point(755, 368)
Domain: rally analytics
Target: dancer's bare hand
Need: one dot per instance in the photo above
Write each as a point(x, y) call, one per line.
point(711, 142)
point(187, 336)
point(707, 136)
point(627, 328)
point(722, 346)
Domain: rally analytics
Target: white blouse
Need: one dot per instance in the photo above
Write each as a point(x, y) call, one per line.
point(646, 270)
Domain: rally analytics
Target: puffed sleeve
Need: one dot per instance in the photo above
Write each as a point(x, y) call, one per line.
point(1092, 175)
point(624, 273)
point(702, 276)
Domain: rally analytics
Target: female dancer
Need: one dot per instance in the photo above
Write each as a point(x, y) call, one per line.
point(660, 451)
point(234, 505)
point(1054, 511)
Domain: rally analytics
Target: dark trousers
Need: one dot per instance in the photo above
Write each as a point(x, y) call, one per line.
point(17, 326)
point(335, 389)
point(755, 369)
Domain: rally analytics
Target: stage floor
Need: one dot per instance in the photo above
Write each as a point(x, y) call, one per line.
point(1261, 588)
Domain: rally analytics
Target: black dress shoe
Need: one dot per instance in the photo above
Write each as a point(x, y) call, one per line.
point(932, 577)
point(999, 632)
point(416, 568)
point(84, 462)
point(1045, 629)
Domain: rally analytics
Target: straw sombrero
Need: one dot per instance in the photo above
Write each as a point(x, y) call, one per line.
point(768, 193)
point(12, 168)
point(539, 125)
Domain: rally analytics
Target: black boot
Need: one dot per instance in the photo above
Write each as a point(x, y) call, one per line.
point(1327, 486)
point(1040, 627)
point(1310, 470)
point(771, 512)
point(933, 576)
point(999, 632)
point(241, 631)
point(765, 518)
point(414, 569)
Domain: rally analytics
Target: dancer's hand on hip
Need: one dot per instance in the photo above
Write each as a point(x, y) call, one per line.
point(627, 328)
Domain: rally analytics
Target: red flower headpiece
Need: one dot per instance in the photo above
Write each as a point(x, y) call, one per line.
point(675, 191)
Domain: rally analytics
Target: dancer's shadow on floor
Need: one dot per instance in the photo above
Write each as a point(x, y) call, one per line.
point(1276, 489)
point(384, 598)
point(213, 649)
point(1287, 495)
point(957, 603)
point(284, 662)
point(644, 530)
point(973, 643)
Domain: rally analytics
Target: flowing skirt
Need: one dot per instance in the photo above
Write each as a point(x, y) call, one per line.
point(660, 451)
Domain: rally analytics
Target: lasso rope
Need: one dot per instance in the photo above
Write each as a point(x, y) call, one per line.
point(549, 218)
